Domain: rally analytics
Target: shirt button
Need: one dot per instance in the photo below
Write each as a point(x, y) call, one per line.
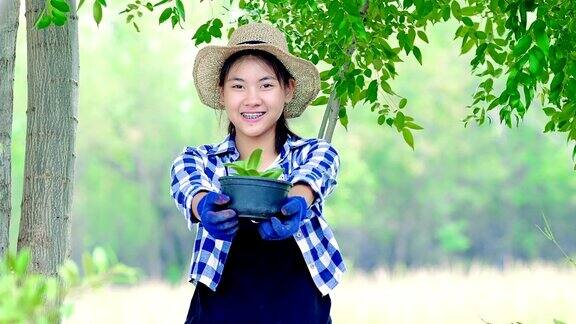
point(312, 266)
point(298, 235)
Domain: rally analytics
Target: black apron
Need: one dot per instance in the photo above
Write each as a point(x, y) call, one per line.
point(263, 282)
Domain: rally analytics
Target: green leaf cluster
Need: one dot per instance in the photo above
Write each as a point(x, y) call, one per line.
point(362, 41)
point(55, 12)
point(249, 168)
point(26, 297)
point(533, 58)
point(176, 14)
point(208, 30)
point(135, 10)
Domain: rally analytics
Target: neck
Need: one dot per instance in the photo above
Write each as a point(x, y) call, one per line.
point(246, 145)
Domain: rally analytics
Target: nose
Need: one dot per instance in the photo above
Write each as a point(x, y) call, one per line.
point(253, 97)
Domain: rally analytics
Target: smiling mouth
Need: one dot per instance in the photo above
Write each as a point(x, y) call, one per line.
point(253, 116)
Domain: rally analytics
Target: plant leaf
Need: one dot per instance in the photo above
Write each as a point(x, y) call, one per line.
point(97, 12)
point(161, 3)
point(239, 169)
point(408, 138)
point(21, 262)
point(467, 21)
point(319, 101)
point(69, 272)
point(180, 8)
point(456, 10)
point(254, 159)
point(272, 173)
point(403, 103)
point(100, 259)
point(534, 66)
point(43, 21)
point(417, 54)
point(175, 20)
point(558, 322)
point(252, 173)
point(466, 47)
point(61, 5)
point(541, 37)
point(165, 15)
point(58, 17)
point(413, 125)
point(217, 23)
point(372, 94)
point(422, 36)
point(522, 45)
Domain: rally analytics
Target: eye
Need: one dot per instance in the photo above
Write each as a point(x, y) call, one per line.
point(236, 86)
point(268, 85)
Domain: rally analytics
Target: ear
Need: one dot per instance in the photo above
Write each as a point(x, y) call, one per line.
point(290, 90)
point(221, 95)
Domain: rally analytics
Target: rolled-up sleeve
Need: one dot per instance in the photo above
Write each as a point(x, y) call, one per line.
point(188, 178)
point(319, 169)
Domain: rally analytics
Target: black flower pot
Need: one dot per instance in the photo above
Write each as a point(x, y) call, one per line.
point(255, 197)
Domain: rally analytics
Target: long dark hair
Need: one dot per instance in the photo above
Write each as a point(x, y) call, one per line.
point(282, 74)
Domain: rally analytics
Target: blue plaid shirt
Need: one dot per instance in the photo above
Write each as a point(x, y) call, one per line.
point(312, 161)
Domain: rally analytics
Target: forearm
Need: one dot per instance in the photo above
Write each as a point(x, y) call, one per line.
point(304, 190)
point(195, 202)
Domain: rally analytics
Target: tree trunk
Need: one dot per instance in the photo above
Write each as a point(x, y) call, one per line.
point(9, 12)
point(53, 68)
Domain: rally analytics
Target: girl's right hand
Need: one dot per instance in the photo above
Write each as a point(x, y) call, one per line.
point(219, 222)
point(293, 212)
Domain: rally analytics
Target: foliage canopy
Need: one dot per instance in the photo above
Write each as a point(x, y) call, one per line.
point(523, 50)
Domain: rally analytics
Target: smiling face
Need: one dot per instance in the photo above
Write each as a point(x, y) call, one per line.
point(254, 98)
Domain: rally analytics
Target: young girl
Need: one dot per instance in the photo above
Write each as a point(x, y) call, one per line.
point(280, 270)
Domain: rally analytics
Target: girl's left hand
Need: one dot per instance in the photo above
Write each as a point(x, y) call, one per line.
point(293, 211)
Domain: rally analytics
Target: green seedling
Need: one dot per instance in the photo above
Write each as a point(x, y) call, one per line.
point(250, 168)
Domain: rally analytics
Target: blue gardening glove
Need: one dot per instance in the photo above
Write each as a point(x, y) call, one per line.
point(219, 222)
point(293, 212)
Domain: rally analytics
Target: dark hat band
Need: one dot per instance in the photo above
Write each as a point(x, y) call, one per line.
point(252, 42)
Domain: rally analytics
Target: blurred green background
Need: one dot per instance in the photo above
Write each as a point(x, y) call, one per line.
point(464, 195)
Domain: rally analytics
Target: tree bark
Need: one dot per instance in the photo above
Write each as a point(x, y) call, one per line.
point(53, 69)
point(9, 12)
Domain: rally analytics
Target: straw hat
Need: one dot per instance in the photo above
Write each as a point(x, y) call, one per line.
point(262, 36)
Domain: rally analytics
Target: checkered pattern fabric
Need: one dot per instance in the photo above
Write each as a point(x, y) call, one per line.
point(311, 161)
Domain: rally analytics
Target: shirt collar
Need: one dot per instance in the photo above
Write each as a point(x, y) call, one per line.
point(228, 146)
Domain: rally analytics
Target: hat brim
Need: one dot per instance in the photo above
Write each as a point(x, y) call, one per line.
point(210, 59)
